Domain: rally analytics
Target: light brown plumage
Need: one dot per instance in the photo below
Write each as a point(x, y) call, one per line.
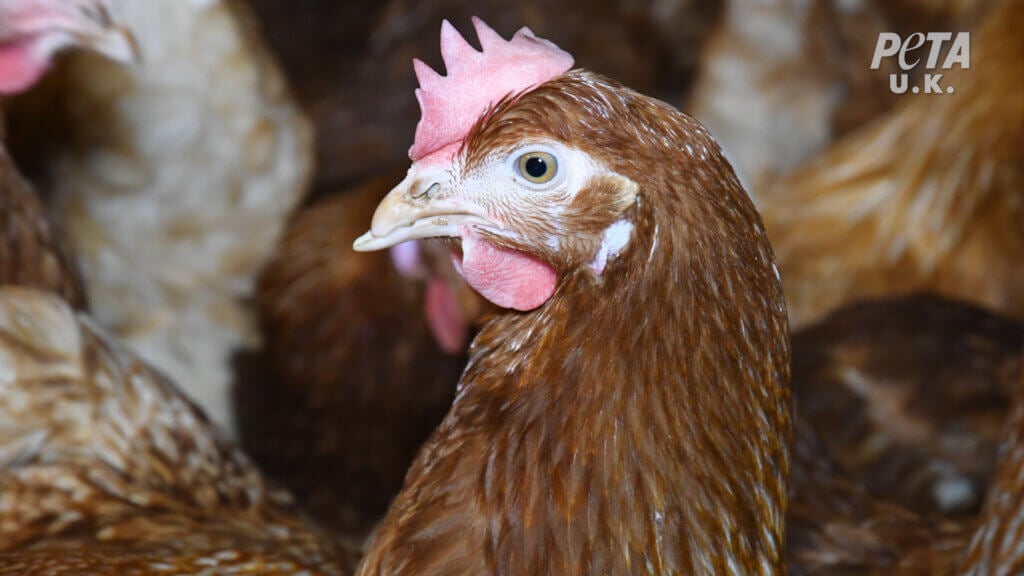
point(172, 181)
point(928, 198)
point(107, 468)
point(31, 254)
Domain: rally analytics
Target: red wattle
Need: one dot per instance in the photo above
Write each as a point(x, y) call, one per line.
point(444, 316)
point(19, 68)
point(507, 278)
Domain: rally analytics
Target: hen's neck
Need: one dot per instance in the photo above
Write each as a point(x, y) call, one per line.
point(636, 425)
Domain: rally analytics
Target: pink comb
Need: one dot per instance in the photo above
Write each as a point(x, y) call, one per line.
point(450, 105)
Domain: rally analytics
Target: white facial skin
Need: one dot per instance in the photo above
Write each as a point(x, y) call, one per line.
point(435, 199)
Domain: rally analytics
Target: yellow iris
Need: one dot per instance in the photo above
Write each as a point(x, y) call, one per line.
point(538, 167)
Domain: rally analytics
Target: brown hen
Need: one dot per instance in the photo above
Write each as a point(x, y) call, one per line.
point(350, 353)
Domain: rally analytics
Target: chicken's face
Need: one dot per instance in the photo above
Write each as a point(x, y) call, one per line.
point(526, 214)
point(32, 32)
point(528, 205)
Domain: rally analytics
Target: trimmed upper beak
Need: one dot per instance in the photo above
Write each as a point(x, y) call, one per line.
point(421, 206)
point(113, 41)
point(109, 39)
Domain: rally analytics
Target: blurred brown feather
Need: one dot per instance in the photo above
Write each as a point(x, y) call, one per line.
point(172, 181)
point(356, 382)
point(927, 198)
point(910, 396)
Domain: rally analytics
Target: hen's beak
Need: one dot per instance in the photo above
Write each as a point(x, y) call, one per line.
point(421, 206)
point(113, 41)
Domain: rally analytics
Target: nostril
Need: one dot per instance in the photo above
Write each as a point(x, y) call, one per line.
point(425, 193)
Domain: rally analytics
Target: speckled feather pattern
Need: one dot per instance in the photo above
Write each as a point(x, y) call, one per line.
point(997, 548)
point(31, 254)
point(106, 467)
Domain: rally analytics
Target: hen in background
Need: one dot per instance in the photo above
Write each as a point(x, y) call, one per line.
point(365, 376)
point(929, 197)
point(358, 380)
point(106, 469)
point(31, 35)
point(910, 396)
point(172, 182)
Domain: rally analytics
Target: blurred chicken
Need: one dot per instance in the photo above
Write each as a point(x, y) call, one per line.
point(910, 396)
point(928, 198)
point(105, 468)
point(172, 181)
point(31, 35)
point(781, 79)
point(357, 380)
point(837, 529)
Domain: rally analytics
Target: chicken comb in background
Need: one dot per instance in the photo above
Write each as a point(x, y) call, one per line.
point(451, 104)
point(34, 31)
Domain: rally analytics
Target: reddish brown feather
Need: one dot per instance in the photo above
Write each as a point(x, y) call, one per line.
point(355, 382)
point(588, 438)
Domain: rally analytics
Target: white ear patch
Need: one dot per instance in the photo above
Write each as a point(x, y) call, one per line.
point(614, 240)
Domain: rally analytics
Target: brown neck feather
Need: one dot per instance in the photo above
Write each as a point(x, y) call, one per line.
point(636, 425)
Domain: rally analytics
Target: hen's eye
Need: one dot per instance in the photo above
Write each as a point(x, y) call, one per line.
point(538, 167)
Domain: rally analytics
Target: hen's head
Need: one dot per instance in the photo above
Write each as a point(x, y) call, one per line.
point(32, 32)
point(538, 171)
point(515, 190)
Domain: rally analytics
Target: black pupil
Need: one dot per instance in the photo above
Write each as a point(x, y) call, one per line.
point(536, 167)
